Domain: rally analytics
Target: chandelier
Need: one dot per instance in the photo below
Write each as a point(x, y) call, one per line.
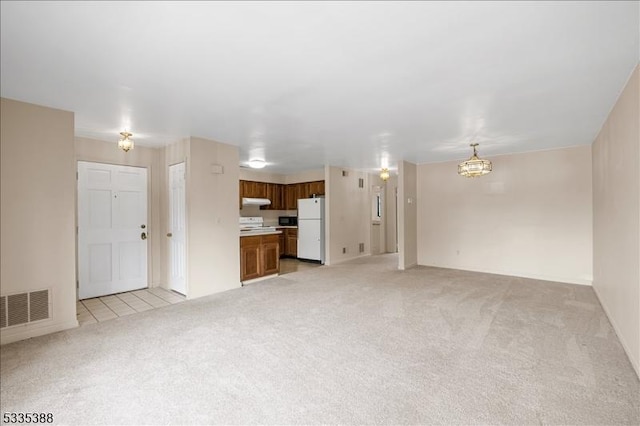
point(384, 174)
point(474, 166)
point(125, 143)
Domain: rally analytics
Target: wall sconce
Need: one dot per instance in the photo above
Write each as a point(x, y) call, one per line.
point(125, 143)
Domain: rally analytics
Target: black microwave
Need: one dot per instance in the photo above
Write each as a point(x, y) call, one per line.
point(288, 221)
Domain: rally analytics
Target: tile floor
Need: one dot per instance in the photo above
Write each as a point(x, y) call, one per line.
point(117, 305)
point(294, 265)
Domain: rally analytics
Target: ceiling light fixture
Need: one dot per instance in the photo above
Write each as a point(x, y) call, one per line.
point(474, 166)
point(125, 143)
point(384, 174)
point(257, 164)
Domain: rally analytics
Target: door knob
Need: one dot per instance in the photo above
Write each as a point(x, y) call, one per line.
point(169, 235)
point(143, 226)
point(143, 235)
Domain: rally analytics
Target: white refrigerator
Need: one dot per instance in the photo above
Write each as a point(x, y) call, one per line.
point(311, 229)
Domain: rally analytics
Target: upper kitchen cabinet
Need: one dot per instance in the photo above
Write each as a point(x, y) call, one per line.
point(255, 189)
point(292, 197)
point(305, 190)
point(251, 189)
point(283, 197)
point(275, 193)
point(316, 187)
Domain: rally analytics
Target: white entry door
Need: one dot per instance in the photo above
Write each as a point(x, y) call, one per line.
point(177, 229)
point(112, 229)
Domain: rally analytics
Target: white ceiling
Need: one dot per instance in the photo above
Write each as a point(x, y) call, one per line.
point(304, 84)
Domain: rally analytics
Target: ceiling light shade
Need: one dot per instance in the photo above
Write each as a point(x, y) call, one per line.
point(384, 174)
point(257, 164)
point(125, 143)
point(474, 166)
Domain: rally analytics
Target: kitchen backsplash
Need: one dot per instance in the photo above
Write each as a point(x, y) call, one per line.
point(270, 216)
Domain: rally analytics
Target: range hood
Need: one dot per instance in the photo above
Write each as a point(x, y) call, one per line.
point(255, 201)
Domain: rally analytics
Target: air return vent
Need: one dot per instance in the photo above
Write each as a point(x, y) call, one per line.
point(3, 312)
point(361, 247)
point(23, 308)
point(360, 183)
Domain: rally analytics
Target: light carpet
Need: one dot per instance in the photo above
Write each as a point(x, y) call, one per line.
point(355, 343)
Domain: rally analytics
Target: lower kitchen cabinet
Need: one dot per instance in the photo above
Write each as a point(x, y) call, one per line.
point(281, 242)
point(288, 242)
point(259, 256)
point(270, 256)
point(291, 244)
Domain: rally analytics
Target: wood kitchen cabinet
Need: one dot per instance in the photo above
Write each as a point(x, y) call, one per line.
point(251, 189)
point(281, 242)
point(316, 187)
point(275, 193)
point(283, 197)
point(258, 189)
point(292, 197)
point(291, 243)
point(303, 190)
point(270, 255)
point(259, 256)
point(250, 257)
point(288, 242)
point(295, 191)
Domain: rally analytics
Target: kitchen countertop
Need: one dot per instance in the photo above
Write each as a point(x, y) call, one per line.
point(258, 232)
point(286, 227)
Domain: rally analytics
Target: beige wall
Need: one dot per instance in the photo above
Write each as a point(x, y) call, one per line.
point(407, 215)
point(266, 176)
point(348, 214)
point(306, 176)
point(212, 218)
point(616, 217)
point(261, 176)
point(530, 217)
point(150, 158)
point(37, 230)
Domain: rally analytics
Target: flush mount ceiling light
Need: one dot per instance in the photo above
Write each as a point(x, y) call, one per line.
point(125, 143)
point(474, 166)
point(384, 174)
point(257, 164)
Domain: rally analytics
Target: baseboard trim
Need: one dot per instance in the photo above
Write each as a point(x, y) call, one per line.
point(405, 267)
point(616, 329)
point(256, 280)
point(21, 333)
point(347, 259)
point(565, 280)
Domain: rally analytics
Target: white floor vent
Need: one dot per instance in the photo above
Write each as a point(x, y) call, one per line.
point(22, 308)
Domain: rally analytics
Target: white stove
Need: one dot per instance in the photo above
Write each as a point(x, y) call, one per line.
point(254, 224)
